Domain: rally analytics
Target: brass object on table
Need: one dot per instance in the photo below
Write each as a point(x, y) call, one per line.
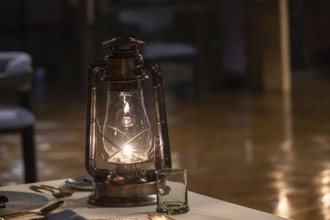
point(44, 211)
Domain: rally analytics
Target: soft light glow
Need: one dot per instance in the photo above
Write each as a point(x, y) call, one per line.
point(323, 180)
point(126, 106)
point(326, 199)
point(127, 150)
point(283, 203)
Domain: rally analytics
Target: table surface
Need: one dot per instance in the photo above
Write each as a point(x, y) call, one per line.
point(201, 207)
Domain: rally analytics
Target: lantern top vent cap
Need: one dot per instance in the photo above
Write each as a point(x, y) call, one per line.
point(122, 47)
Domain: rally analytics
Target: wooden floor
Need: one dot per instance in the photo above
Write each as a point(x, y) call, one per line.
point(270, 152)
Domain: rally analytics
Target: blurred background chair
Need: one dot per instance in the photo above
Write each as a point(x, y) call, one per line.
point(155, 26)
point(15, 81)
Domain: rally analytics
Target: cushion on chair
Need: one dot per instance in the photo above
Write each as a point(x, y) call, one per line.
point(15, 118)
point(15, 70)
point(15, 62)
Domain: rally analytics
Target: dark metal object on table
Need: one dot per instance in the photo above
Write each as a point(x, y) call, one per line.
point(129, 181)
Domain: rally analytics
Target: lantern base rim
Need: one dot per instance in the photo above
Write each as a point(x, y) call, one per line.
point(106, 201)
point(126, 195)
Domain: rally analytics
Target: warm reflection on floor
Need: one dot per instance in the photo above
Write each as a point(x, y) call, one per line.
point(261, 150)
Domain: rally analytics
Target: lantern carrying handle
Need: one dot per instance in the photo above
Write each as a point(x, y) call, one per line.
point(157, 79)
point(95, 69)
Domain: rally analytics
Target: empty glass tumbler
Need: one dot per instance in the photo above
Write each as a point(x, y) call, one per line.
point(172, 198)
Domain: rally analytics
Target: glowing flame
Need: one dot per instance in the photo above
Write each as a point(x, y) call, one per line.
point(127, 150)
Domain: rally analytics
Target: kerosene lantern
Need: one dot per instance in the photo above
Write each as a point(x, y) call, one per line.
point(123, 146)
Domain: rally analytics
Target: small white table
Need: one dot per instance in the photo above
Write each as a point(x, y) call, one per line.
point(201, 207)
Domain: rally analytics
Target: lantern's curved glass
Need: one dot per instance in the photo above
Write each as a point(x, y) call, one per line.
point(127, 135)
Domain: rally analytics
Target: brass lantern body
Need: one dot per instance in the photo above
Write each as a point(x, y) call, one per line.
point(125, 184)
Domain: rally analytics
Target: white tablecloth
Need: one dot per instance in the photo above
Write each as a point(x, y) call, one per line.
point(201, 207)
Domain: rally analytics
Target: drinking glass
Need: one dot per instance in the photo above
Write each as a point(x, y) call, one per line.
point(172, 198)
